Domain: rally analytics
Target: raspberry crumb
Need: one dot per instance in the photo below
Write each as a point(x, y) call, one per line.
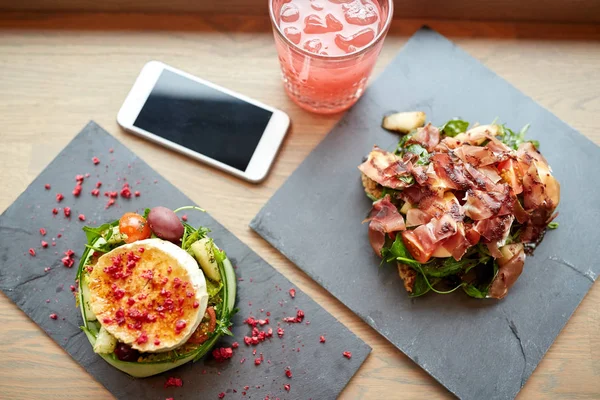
point(137, 193)
point(287, 387)
point(42, 232)
point(280, 332)
point(111, 150)
point(55, 211)
point(222, 354)
point(322, 339)
point(347, 354)
point(95, 160)
point(67, 211)
point(72, 288)
point(221, 395)
point(171, 381)
point(32, 252)
point(44, 244)
point(235, 345)
point(81, 217)
point(53, 316)
point(110, 203)
point(98, 184)
point(95, 192)
point(257, 361)
point(47, 186)
point(184, 217)
point(77, 191)
point(59, 197)
point(288, 372)
point(292, 293)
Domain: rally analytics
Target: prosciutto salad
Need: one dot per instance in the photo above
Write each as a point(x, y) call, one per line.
point(458, 207)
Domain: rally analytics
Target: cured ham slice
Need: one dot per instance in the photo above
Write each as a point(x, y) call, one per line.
point(384, 218)
point(386, 169)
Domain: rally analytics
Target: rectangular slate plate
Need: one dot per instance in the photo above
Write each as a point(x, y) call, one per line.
point(478, 349)
point(319, 370)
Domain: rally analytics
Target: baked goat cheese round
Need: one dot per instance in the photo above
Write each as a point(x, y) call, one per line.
point(150, 294)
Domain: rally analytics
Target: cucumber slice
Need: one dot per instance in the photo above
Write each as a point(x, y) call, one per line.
point(105, 342)
point(205, 255)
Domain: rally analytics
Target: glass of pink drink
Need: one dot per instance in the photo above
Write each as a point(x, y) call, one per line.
point(327, 48)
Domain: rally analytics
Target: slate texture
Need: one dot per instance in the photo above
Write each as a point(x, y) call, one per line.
point(319, 370)
point(477, 349)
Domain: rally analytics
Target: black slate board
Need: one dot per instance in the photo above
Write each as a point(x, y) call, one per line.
point(319, 370)
point(478, 349)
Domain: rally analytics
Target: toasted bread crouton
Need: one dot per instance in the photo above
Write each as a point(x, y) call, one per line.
point(408, 275)
point(372, 188)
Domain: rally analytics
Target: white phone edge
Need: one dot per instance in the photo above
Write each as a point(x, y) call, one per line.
point(264, 154)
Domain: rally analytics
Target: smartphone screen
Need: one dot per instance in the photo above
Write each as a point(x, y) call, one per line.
point(203, 119)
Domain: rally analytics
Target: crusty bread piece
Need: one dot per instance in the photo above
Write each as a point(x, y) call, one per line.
point(408, 275)
point(372, 188)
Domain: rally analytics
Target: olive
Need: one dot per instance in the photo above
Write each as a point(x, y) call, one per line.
point(165, 224)
point(124, 352)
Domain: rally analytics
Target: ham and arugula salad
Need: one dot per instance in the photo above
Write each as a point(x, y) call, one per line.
point(458, 206)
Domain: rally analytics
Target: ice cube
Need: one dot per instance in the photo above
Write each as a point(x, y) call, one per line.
point(356, 41)
point(318, 6)
point(313, 45)
point(290, 13)
point(359, 13)
point(315, 24)
point(293, 34)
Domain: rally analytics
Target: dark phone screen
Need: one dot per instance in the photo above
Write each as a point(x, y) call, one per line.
point(203, 119)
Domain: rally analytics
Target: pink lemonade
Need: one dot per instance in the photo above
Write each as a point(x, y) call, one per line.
point(327, 48)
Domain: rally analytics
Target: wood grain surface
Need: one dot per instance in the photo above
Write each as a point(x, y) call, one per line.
point(586, 11)
point(58, 71)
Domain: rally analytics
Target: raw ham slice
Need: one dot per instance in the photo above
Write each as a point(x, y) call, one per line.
point(449, 172)
point(495, 229)
point(384, 218)
point(386, 168)
point(511, 265)
point(428, 137)
point(457, 244)
point(416, 217)
point(476, 155)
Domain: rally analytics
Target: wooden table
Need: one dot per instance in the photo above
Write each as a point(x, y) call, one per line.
point(58, 71)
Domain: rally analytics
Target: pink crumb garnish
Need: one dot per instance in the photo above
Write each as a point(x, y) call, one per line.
point(322, 339)
point(81, 217)
point(287, 387)
point(95, 192)
point(292, 293)
point(347, 354)
point(53, 316)
point(184, 217)
point(42, 232)
point(137, 193)
point(171, 381)
point(95, 160)
point(67, 211)
point(44, 244)
point(59, 197)
point(32, 252)
point(47, 186)
point(221, 395)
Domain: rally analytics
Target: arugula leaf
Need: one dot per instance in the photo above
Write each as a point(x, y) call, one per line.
point(448, 267)
point(419, 151)
point(213, 288)
point(454, 127)
point(553, 225)
point(92, 233)
point(515, 139)
point(191, 235)
point(420, 287)
point(473, 291)
point(398, 252)
point(146, 212)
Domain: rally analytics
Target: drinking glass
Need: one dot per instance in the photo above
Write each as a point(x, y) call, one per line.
point(327, 84)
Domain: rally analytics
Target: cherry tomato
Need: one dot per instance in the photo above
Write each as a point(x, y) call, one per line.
point(135, 227)
point(201, 334)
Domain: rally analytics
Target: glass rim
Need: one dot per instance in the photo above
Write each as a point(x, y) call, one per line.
point(377, 39)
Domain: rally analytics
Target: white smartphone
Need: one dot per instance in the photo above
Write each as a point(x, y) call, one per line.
point(202, 120)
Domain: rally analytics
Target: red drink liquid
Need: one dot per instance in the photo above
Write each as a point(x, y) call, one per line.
point(327, 48)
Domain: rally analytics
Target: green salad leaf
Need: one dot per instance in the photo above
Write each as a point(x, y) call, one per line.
point(454, 127)
point(553, 225)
